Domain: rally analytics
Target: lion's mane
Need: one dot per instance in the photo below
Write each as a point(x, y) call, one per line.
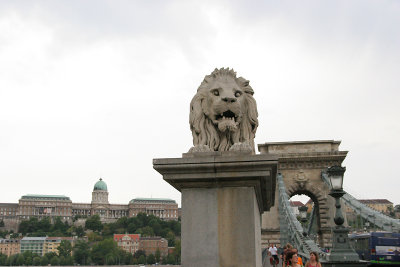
point(204, 130)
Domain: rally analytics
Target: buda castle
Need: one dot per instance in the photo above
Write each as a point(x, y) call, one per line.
point(41, 206)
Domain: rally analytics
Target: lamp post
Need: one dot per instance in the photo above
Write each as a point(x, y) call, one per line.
point(303, 217)
point(341, 254)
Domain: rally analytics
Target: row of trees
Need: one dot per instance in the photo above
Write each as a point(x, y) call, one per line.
point(146, 225)
point(63, 257)
point(143, 224)
point(105, 252)
point(28, 259)
point(45, 227)
point(4, 233)
point(101, 248)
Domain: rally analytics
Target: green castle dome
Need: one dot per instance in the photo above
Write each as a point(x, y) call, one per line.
point(100, 185)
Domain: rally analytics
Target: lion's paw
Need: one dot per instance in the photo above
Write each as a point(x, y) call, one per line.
point(199, 148)
point(242, 147)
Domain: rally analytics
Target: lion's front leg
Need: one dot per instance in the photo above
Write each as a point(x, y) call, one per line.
point(200, 148)
point(243, 147)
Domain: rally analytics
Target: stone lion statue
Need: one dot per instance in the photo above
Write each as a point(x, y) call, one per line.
point(223, 113)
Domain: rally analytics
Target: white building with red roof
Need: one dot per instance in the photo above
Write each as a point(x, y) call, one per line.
point(128, 242)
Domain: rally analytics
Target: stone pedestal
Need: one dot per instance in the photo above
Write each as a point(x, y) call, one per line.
point(341, 250)
point(223, 196)
point(342, 255)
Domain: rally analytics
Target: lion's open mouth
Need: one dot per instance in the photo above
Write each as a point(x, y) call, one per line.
point(226, 121)
point(226, 115)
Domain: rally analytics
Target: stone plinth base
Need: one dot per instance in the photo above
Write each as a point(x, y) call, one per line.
point(223, 196)
point(341, 250)
point(220, 227)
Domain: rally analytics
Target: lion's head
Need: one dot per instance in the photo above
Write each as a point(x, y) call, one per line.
point(223, 113)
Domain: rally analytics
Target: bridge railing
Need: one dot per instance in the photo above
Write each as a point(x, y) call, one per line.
point(375, 217)
point(264, 257)
point(291, 230)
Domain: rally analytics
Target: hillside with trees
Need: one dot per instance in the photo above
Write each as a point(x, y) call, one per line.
point(96, 244)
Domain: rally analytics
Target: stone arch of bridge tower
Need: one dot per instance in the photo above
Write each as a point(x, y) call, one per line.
point(320, 203)
point(301, 164)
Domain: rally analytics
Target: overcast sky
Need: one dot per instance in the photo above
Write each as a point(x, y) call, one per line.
point(92, 89)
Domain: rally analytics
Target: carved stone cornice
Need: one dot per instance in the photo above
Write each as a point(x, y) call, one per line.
point(222, 169)
point(310, 160)
point(295, 165)
point(312, 155)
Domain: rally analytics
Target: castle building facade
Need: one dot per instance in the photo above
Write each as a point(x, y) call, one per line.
point(44, 205)
point(52, 206)
point(166, 209)
point(8, 210)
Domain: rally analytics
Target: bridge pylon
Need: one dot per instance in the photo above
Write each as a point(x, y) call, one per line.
point(300, 164)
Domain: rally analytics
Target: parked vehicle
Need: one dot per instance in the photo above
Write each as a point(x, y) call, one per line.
point(379, 248)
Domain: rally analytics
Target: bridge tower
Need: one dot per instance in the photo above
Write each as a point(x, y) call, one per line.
point(301, 164)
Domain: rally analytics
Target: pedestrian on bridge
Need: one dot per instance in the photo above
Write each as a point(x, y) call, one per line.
point(314, 260)
point(299, 259)
point(274, 252)
point(286, 249)
point(292, 258)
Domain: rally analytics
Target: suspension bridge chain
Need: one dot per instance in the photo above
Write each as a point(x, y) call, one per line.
point(375, 217)
point(291, 230)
